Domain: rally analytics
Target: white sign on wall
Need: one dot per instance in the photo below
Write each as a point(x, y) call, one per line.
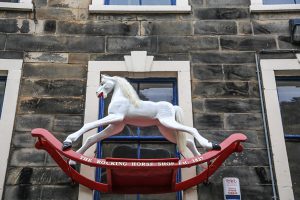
point(231, 187)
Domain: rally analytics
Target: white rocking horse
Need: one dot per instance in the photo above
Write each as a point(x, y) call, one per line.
point(126, 108)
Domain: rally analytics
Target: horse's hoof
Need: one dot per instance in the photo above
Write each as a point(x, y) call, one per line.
point(66, 145)
point(216, 146)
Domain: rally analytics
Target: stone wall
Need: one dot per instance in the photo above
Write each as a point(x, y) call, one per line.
point(219, 38)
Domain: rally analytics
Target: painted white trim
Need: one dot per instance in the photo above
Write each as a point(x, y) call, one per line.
point(181, 69)
point(23, 5)
point(258, 6)
point(97, 6)
point(269, 69)
point(14, 69)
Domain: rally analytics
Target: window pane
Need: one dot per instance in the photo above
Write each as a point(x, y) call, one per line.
point(156, 92)
point(10, 1)
point(156, 2)
point(289, 99)
point(123, 2)
point(266, 2)
point(297, 1)
point(2, 90)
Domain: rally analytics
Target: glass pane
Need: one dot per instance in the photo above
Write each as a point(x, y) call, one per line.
point(2, 90)
point(158, 150)
point(123, 2)
point(266, 2)
point(289, 99)
point(156, 92)
point(297, 1)
point(10, 1)
point(156, 2)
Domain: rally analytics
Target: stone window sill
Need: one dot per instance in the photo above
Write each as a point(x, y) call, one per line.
point(23, 6)
point(275, 8)
point(100, 8)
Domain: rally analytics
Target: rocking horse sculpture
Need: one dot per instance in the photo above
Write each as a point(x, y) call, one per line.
point(127, 175)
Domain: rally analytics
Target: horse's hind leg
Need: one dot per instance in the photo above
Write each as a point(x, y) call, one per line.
point(171, 123)
point(112, 118)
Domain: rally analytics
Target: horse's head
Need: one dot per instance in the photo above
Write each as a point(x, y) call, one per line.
point(106, 86)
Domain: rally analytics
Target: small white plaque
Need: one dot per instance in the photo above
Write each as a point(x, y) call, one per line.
point(231, 187)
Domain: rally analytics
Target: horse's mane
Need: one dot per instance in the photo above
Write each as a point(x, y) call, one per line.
point(128, 90)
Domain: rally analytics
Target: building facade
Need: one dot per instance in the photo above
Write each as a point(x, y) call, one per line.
point(228, 59)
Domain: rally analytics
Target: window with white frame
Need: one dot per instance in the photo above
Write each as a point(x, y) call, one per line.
point(10, 75)
point(138, 66)
point(274, 5)
point(23, 5)
point(139, 6)
point(281, 83)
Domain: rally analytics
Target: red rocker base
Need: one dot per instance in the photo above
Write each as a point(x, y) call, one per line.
point(143, 176)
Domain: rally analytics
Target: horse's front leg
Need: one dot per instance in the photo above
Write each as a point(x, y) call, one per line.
point(111, 118)
point(112, 129)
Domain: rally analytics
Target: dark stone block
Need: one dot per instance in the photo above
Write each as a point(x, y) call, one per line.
point(278, 55)
point(240, 72)
point(207, 72)
point(254, 89)
point(55, 43)
point(243, 121)
point(196, 3)
point(10, 54)
point(45, 87)
point(198, 105)
point(184, 44)
point(54, 71)
point(284, 42)
point(167, 28)
point(25, 27)
point(247, 43)
point(215, 28)
point(23, 140)
point(29, 122)
point(107, 57)
point(247, 175)
point(127, 44)
point(172, 56)
point(27, 157)
point(22, 192)
point(245, 28)
point(249, 157)
point(40, 3)
point(65, 192)
point(263, 174)
point(50, 26)
point(9, 26)
point(232, 105)
point(221, 89)
point(271, 27)
point(67, 123)
point(99, 28)
point(221, 13)
point(2, 41)
point(226, 58)
point(208, 121)
point(78, 58)
point(52, 105)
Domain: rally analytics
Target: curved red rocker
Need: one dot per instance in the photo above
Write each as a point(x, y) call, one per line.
point(133, 176)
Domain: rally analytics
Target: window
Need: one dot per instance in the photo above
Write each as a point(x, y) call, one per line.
point(288, 89)
point(281, 92)
point(274, 5)
point(138, 66)
point(2, 90)
point(10, 75)
point(140, 6)
point(136, 142)
point(24, 5)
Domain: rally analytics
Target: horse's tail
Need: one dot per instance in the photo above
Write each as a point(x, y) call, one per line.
point(180, 137)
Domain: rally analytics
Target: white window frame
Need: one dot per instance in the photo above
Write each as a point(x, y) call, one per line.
point(258, 6)
point(270, 68)
point(13, 68)
point(97, 6)
point(144, 65)
point(23, 5)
